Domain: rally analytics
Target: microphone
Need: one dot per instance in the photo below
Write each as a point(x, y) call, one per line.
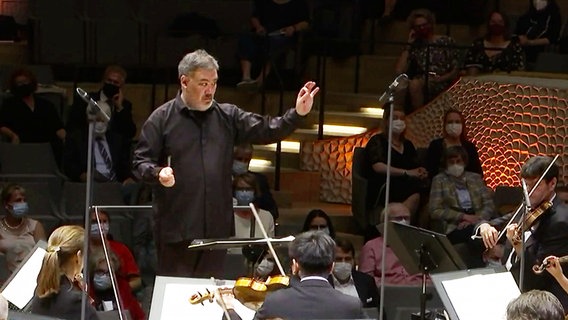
point(526, 193)
point(92, 106)
point(400, 82)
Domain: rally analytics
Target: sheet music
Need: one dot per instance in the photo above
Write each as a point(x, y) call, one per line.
point(482, 296)
point(21, 289)
point(176, 303)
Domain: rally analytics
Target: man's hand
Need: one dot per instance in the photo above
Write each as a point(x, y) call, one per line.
point(166, 177)
point(15, 139)
point(288, 31)
point(553, 266)
point(489, 235)
point(305, 98)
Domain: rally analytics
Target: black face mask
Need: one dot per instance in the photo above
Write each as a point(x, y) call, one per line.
point(23, 90)
point(110, 90)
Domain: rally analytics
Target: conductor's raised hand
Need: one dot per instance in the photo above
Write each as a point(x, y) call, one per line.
point(166, 177)
point(305, 98)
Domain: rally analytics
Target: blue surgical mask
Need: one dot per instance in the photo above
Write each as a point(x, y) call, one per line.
point(240, 167)
point(20, 209)
point(101, 281)
point(95, 229)
point(244, 197)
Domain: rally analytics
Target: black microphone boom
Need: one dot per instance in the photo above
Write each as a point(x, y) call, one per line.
point(400, 82)
point(93, 107)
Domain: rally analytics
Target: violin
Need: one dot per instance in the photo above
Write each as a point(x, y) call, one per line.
point(539, 268)
point(529, 220)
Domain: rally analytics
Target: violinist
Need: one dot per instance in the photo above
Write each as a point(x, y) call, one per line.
point(59, 288)
point(546, 230)
point(555, 269)
point(313, 255)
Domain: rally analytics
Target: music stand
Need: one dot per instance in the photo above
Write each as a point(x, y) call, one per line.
point(223, 244)
point(422, 251)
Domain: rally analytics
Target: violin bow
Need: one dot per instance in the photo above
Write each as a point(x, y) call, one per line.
point(221, 299)
point(270, 247)
point(504, 230)
point(110, 267)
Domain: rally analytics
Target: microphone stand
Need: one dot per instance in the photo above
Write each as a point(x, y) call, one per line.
point(92, 110)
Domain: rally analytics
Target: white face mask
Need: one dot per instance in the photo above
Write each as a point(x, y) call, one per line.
point(264, 267)
point(454, 129)
point(240, 167)
point(540, 4)
point(398, 126)
point(342, 270)
point(455, 170)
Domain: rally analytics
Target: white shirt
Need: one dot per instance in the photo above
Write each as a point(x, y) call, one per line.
point(347, 288)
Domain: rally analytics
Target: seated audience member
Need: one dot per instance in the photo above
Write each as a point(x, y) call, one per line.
point(316, 220)
point(539, 27)
point(454, 134)
point(126, 272)
point(27, 118)
point(535, 305)
point(313, 297)
point(241, 160)
point(407, 176)
point(18, 232)
point(497, 51)
point(370, 260)
point(459, 198)
point(245, 191)
point(59, 283)
point(429, 60)
point(111, 98)
point(345, 278)
point(275, 25)
point(562, 193)
point(111, 156)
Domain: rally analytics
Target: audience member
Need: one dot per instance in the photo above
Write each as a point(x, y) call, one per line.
point(275, 24)
point(3, 308)
point(407, 176)
point(454, 133)
point(429, 60)
point(126, 272)
point(459, 198)
point(60, 285)
point(245, 190)
point(370, 260)
point(539, 27)
point(18, 232)
point(497, 51)
point(346, 279)
point(242, 156)
point(535, 305)
point(111, 98)
point(313, 297)
point(316, 220)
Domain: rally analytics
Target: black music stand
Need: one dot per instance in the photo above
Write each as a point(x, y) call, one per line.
point(422, 251)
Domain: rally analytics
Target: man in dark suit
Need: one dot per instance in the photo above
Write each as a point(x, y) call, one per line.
point(346, 279)
point(312, 256)
point(547, 235)
point(110, 96)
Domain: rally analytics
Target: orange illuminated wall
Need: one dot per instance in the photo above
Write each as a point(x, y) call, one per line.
point(508, 118)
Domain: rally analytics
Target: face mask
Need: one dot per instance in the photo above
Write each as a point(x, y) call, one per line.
point(404, 221)
point(264, 267)
point(101, 281)
point(496, 29)
point(398, 126)
point(244, 197)
point(455, 170)
point(240, 167)
point(20, 209)
point(110, 90)
point(23, 90)
point(454, 129)
point(540, 4)
point(342, 270)
point(95, 229)
point(100, 127)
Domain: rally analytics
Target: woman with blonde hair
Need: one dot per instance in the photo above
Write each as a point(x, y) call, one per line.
point(59, 283)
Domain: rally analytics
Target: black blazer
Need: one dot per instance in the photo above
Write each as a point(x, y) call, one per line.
point(310, 299)
point(75, 155)
point(366, 288)
point(549, 238)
